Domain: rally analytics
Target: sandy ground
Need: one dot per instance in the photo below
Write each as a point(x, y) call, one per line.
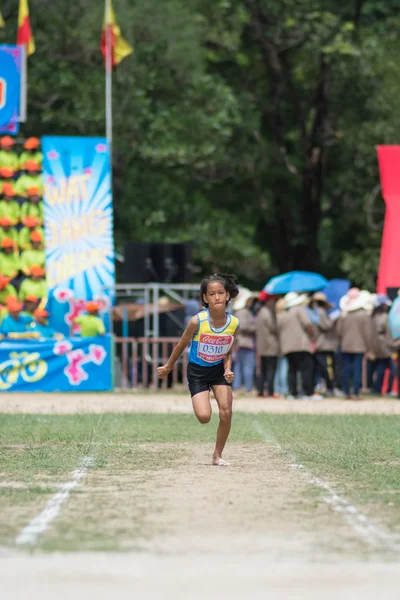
point(255, 530)
point(256, 505)
point(180, 403)
point(192, 577)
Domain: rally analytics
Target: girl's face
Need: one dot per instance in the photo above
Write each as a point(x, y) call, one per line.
point(216, 297)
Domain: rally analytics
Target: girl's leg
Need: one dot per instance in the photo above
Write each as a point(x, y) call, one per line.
point(202, 406)
point(223, 396)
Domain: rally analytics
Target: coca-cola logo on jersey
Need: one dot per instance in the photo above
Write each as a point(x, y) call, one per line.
point(216, 341)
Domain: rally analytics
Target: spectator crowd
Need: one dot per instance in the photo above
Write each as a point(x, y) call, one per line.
point(22, 257)
point(298, 346)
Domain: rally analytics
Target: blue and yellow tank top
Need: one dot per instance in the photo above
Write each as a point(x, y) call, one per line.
point(210, 346)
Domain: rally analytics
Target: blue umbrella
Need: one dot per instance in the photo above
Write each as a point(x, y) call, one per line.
point(335, 289)
point(296, 281)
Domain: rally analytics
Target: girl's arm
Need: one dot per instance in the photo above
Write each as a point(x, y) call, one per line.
point(179, 348)
point(228, 373)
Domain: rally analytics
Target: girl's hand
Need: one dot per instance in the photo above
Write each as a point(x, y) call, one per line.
point(163, 371)
point(229, 375)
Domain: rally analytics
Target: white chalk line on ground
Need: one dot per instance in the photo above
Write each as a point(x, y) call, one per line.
point(371, 533)
point(40, 523)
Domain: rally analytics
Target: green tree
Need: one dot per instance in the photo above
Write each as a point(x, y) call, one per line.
point(245, 126)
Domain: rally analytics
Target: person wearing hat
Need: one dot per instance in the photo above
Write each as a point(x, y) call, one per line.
point(40, 325)
point(245, 362)
point(6, 290)
point(267, 343)
point(381, 344)
point(326, 341)
point(4, 307)
point(296, 332)
point(31, 152)
point(9, 207)
point(6, 176)
point(354, 331)
point(35, 285)
point(7, 230)
point(31, 178)
point(24, 236)
point(8, 156)
point(9, 259)
point(33, 207)
point(14, 322)
point(35, 255)
point(91, 324)
point(30, 305)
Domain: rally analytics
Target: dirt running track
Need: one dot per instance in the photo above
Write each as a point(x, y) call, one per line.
point(252, 531)
point(180, 403)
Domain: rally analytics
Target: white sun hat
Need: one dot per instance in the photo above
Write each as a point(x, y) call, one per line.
point(356, 299)
point(294, 299)
point(241, 300)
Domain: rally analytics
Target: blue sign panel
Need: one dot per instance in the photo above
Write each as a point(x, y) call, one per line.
point(10, 88)
point(72, 364)
point(78, 220)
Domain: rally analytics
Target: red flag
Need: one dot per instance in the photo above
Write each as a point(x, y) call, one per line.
point(24, 34)
point(119, 47)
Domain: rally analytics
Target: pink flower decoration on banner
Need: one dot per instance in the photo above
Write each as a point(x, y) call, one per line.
point(74, 370)
point(88, 170)
point(77, 359)
point(97, 353)
point(53, 155)
point(61, 348)
point(76, 307)
point(101, 148)
point(63, 295)
point(50, 179)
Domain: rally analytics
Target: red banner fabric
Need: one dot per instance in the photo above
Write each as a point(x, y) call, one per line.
point(389, 267)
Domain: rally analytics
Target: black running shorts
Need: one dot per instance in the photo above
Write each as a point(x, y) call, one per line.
point(202, 379)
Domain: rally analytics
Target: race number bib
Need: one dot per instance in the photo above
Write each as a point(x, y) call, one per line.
point(213, 348)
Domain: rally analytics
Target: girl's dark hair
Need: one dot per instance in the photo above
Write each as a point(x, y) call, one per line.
point(228, 281)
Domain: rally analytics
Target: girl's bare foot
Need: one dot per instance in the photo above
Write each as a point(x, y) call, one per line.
point(217, 461)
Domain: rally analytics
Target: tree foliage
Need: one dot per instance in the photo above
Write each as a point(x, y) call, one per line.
point(246, 126)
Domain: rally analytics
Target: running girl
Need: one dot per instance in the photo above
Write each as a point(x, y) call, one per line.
point(211, 333)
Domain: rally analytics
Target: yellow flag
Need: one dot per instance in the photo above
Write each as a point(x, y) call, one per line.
point(120, 48)
point(2, 24)
point(24, 33)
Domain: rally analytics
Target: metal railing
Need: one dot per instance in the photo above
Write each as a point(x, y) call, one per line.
point(139, 359)
point(150, 293)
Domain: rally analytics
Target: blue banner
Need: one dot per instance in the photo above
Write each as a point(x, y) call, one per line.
point(10, 88)
point(72, 364)
point(78, 220)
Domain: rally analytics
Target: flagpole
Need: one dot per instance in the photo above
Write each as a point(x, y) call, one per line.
point(23, 92)
point(108, 74)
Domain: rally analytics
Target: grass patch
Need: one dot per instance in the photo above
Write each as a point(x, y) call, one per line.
point(363, 448)
point(359, 452)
